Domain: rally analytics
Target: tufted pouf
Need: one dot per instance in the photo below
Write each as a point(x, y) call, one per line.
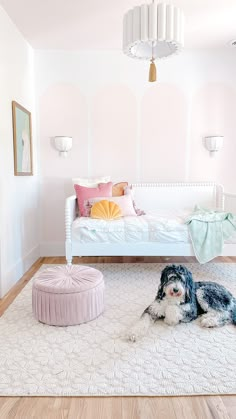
point(67, 295)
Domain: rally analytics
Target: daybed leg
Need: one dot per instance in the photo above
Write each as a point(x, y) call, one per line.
point(69, 252)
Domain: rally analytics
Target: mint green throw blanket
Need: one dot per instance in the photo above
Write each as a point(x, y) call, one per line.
point(208, 229)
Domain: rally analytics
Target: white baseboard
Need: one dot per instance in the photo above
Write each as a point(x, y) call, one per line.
point(18, 270)
point(52, 249)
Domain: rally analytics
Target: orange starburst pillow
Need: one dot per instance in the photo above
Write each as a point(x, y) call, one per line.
point(105, 210)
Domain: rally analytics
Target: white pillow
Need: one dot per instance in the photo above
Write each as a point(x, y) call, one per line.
point(91, 182)
point(125, 203)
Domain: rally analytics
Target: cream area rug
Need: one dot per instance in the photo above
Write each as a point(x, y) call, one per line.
point(95, 359)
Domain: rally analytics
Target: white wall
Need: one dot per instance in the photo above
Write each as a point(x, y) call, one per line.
point(131, 129)
point(19, 195)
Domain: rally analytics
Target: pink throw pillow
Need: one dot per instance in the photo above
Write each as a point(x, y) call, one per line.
point(128, 190)
point(83, 194)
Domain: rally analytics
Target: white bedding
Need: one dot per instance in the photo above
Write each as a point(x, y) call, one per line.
point(163, 226)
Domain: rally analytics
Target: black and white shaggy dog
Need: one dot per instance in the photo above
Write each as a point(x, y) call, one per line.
point(180, 299)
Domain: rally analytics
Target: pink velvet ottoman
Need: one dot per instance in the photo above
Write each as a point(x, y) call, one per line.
point(68, 295)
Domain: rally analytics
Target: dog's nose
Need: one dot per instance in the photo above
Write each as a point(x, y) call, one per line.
point(175, 290)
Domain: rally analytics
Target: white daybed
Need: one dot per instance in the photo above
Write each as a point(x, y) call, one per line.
point(161, 232)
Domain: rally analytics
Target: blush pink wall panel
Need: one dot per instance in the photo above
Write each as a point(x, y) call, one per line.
point(113, 130)
point(63, 111)
point(163, 134)
point(53, 193)
point(213, 113)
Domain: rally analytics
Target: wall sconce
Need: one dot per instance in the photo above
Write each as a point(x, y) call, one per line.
point(63, 145)
point(213, 143)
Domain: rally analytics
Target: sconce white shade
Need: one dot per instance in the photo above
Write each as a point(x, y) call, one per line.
point(63, 144)
point(214, 143)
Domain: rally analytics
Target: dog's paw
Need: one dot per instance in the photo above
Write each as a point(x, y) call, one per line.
point(171, 322)
point(132, 337)
point(173, 315)
point(133, 334)
point(208, 321)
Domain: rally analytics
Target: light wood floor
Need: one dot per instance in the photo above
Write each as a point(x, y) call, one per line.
point(197, 407)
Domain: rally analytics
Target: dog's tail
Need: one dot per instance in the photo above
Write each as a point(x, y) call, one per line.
point(234, 313)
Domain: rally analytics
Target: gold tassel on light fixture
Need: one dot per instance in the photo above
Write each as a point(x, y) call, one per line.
point(152, 71)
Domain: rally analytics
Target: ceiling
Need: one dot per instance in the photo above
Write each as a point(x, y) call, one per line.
point(97, 24)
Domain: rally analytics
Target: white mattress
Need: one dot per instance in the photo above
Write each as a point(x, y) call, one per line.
point(163, 226)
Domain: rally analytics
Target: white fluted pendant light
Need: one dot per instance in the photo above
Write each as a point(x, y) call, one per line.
point(153, 31)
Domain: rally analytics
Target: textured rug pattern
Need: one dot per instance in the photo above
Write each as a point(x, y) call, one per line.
point(95, 359)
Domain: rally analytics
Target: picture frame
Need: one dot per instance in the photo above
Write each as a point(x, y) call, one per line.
point(22, 140)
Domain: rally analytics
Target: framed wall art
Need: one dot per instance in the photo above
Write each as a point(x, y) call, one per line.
point(22, 140)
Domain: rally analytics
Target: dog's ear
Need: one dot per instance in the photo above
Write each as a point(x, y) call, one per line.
point(160, 292)
point(189, 287)
point(164, 279)
point(181, 269)
point(164, 274)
